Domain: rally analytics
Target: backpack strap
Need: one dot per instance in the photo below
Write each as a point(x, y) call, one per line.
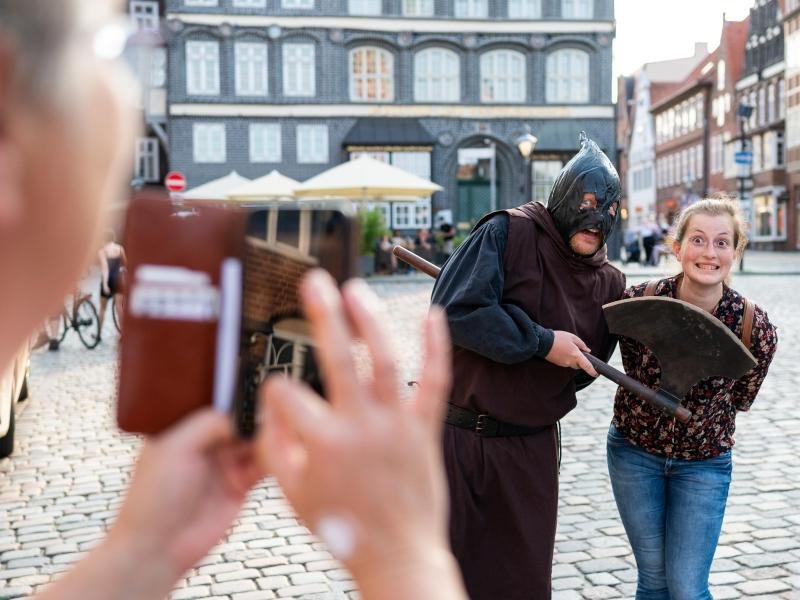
point(747, 322)
point(650, 288)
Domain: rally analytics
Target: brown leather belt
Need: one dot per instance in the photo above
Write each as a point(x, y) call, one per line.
point(484, 425)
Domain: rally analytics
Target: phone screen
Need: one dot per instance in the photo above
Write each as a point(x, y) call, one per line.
point(281, 245)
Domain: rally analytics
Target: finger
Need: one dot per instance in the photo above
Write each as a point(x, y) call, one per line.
point(369, 320)
point(434, 388)
point(302, 409)
point(279, 445)
point(322, 304)
point(580, 344)
point(583, 363)
point(201, 430)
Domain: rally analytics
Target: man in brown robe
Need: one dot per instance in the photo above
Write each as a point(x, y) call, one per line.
point(523, 296)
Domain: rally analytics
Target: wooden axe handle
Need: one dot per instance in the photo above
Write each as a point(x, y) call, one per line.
point(658, 399)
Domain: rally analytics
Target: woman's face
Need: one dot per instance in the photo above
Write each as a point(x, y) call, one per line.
point(707, 251)
point(71, 160)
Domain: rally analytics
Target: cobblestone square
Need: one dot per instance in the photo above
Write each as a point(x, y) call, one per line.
point(61, 488)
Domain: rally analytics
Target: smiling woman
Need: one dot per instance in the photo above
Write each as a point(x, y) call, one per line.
point(671, 480)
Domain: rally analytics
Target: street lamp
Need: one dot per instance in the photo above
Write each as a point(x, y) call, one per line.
point(525, 144)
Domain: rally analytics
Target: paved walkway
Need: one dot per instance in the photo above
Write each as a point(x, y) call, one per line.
point(62, 487)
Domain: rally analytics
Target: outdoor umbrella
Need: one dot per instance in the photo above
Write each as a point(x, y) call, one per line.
point(217, 189)
point(269, 187)
point(366, 179)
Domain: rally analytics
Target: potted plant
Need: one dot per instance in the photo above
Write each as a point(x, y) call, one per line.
point(372, 229)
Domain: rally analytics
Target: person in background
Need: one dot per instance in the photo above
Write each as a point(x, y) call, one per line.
point(112, 265)
point(364, 471)
point(670, 480)
point(423, 244)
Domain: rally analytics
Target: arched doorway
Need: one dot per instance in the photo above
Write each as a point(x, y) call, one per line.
point(485, 177)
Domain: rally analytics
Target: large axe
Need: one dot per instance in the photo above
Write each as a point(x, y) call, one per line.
point(689, 343)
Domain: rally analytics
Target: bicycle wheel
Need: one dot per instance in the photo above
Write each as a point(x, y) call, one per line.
point(87, 324)
point(116, 314)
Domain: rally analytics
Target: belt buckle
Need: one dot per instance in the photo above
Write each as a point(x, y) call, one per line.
point(482, 424)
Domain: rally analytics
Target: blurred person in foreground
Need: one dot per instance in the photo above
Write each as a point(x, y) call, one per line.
point(362, 471)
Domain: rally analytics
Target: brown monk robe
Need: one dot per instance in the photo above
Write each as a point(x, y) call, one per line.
point(506, 289)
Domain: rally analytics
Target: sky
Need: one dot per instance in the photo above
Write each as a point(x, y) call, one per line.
point(652, 30)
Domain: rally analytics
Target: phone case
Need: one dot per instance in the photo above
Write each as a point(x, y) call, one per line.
point(182, 315)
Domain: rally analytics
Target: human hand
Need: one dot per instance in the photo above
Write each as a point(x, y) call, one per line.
point(365, 470)
point(567, 351)
point(188, 486)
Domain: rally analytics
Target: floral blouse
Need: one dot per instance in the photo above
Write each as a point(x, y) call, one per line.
point(713, 401)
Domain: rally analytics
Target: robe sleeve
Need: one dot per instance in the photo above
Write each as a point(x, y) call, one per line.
point(470, 289)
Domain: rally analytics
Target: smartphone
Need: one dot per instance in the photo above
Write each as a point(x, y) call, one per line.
point(212, 304)
point(281, 243)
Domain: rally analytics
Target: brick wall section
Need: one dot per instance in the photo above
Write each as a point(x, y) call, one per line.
point(270, 284)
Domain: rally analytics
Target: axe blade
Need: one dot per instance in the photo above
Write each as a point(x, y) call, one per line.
point(689, 343)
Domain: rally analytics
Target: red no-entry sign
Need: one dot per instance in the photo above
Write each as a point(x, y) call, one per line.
point(175, 181)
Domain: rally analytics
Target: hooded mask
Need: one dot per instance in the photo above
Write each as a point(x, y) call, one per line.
point(588, 171)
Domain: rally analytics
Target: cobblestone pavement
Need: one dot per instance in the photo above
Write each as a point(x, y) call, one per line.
point(61, 489)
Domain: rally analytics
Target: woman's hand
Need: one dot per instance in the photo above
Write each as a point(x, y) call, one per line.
point(364, 470)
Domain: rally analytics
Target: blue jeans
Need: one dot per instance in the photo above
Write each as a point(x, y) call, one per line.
point(672, 510)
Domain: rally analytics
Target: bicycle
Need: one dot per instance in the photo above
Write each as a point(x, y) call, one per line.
point(83, 319)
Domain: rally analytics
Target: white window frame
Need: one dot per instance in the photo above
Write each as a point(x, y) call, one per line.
point(524, 9)
point(418, 8)
point(158, 67)
point(437, 82)
point(365, 8)
point(471, 9)
point(251, 60)
point(249, 3)
point(577, 9)
point(383, 82)
point(202, 70)
point(564, 85)
point(298, 4)
point(312, 144)
point(503, 87)
point(200, 3)
point(299, 69)
point(144, 14)
point(402, 215)
point(146, 161)
point(206, 149)
point(414, 162)
point(259, 135)
point(772, 211)
point(771, 103)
